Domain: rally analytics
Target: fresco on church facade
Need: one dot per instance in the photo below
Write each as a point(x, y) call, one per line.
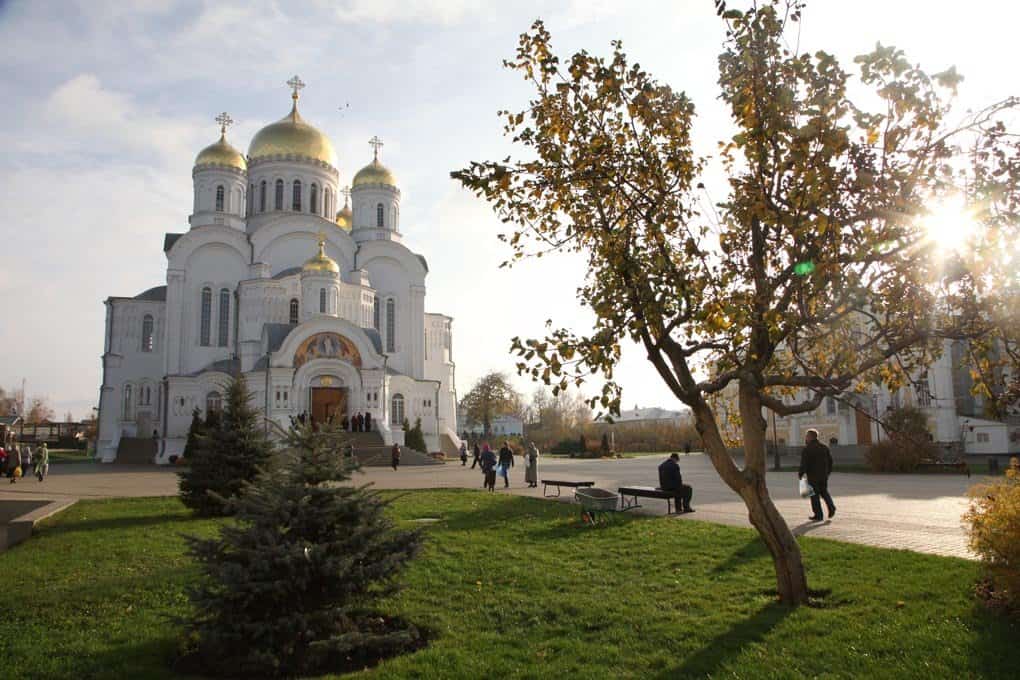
point(327, 346)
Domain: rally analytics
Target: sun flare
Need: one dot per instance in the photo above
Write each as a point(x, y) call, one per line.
point(949, 224)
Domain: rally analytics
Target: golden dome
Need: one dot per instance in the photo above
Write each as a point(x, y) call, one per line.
point(345, 218)
point(292, 136)
point(374, 173)
point(221, 153)
point(321, 262)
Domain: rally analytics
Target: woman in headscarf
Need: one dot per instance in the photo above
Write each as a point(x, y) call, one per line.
point(488, 461)
point(531, 465)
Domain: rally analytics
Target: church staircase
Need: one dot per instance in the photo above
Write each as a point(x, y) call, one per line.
point(136, 451)
point(371, 451)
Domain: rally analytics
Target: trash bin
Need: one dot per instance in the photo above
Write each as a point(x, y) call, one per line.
point(993, 466)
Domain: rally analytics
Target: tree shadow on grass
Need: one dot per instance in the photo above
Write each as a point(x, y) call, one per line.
point(117, 524)
point(995, 651)
point(728, 645)
point(753, 550)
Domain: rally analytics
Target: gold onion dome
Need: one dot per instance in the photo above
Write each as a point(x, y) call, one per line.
point(292, 136)
point(221, 153)
point(321, 262)
point(345, 218)
point(374, 173)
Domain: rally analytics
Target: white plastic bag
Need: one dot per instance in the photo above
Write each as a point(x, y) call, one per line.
point(805, 488)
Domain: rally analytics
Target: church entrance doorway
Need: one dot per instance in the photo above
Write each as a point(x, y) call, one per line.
point(863, 428)
point(328, 403)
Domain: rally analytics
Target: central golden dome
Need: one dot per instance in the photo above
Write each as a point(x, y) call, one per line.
point(221, 153)
point(292, 136)
point(321, 262)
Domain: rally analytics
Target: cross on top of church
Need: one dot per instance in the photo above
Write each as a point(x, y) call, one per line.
point(296, 85)
point(225, 121)
point(346, 191)
point(322, 239)
point(376, 144)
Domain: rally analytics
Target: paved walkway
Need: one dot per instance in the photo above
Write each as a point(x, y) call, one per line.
point(914, 512)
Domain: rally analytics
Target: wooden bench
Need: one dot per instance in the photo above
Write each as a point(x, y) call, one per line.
point(959, 466)
point(573, 484)
point(629, 497)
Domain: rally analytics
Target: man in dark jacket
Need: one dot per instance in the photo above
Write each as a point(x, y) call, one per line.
point(816, 464)
point(506, 461)
point(670, 479)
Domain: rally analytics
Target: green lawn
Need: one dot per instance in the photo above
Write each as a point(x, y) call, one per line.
point(516, 587)
point(70, 456)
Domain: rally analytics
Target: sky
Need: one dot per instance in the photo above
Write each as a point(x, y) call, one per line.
point(107, 102)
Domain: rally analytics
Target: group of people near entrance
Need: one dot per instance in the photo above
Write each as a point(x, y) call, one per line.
point(356, 423)
point(18, 460)
point(498, 465)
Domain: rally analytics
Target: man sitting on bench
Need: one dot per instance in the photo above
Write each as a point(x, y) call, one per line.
point(670, 479)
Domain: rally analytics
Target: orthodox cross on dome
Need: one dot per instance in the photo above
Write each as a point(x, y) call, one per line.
point(296, 85)
point(346, 191)
point(225, 121)
point(322, 240)
point(376, 144)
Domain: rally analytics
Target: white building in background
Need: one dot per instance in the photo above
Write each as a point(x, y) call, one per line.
point(320, 308)
point(651, 416)
point(502, 425)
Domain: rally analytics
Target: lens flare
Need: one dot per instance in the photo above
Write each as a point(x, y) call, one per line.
point(950, 225)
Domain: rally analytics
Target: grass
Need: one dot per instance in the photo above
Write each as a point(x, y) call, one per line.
point(516, 587)
point(70, 456)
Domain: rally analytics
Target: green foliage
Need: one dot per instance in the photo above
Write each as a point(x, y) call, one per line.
point(292, 586)
point(196, 430)
point(994, 523)
point(491, 396)
point(230, 452)
point(414, 438)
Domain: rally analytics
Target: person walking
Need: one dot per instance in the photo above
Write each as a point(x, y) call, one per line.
point(488, 462)
point(670, 479)
point(463, 454)
point(368, 421)
point(42, 462)
point(477, 453)
point(506, 461)
point(26, 461)
point(395, 455)
point(816, 465)
point(531, 465)
point(14, 463)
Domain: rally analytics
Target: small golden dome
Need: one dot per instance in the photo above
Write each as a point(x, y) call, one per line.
point(292, 136)
point(321, 262)
point(221, 153)
point(374, 173)
point(345, 218)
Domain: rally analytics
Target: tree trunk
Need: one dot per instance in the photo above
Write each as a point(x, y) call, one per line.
point(749, 484)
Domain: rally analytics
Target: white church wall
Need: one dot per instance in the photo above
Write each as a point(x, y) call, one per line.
point(288, 244)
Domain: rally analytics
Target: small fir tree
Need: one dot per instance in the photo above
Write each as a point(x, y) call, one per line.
point(230, 452)
point(415, 438)
point(290, 588)
point(195, 431)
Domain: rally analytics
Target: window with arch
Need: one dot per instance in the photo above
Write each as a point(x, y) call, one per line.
point(326, 203)
point(397, 409)
point(294, 311)
point(391, 325)
point(219, 198)
point(213, 402)
point(147, 326)
point(127, 402)
point(262, 196)
point(206, 322)
point(322, 301)
point(278, 199)
point(224, 319)
point(377, 313)
point(313, 199)
point(296, 197)
point(379, 215)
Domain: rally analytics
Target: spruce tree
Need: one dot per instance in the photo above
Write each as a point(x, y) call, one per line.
point(415, 438)
point(291, 587)
point(229, 453)
point(195, 430)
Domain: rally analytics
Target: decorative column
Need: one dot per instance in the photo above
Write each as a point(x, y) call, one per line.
point(416, 327)
point(174, 321)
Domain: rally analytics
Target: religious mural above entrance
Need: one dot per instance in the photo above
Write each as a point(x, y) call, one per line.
point(327, 346)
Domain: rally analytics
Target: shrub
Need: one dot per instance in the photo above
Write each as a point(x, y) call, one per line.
point(292, 587)
point(566, 447)
point(994, 524)
point(892, 456)
point(414, 438)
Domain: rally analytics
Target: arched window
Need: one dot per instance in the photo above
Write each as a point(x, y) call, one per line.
point(224, 320)
point(213, 402)
point(376, 313)
point(294, 310)
point(262, 196)
point(391, 325)
point(278, 203)
point(296, 203)
point(313, 199)
point(379, 213)
point(322, 301)
point(397, 410)
point(219, 198)
point(326, 194)
point(127, 402)
point(206, 330)
point(147, 324)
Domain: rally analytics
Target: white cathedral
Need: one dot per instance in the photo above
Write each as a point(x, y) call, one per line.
point(321, 309)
